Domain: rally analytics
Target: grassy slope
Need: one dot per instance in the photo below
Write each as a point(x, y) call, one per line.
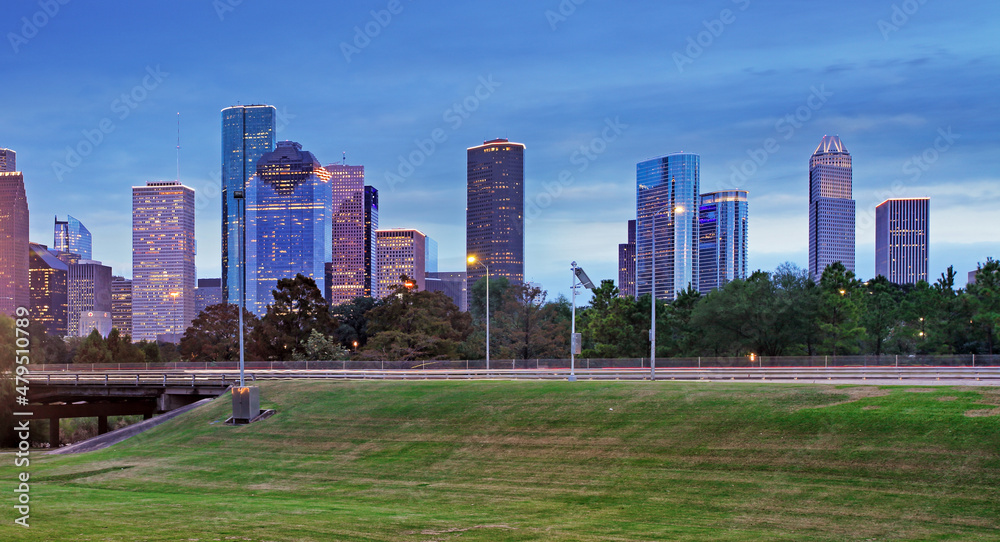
point(541, 461)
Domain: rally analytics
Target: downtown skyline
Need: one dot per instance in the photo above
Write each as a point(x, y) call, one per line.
point(917, 93)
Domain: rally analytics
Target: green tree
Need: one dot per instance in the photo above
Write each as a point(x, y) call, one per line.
point(413, 325)
point(839, 313)
point(214, 334)
point(984, 301)
point(882, 312)
point(122, 350)
point(321, 347)
point(621, 330)
point(353, 318)
point(150, 351)
point(93, 350)
point(298, 309)
point(526, 327)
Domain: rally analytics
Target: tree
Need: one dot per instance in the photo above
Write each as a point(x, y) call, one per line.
point(839, 314)
point(353, 318)
point(122, 350)
point(527, 327)
point(150, 350)
point(298, 309)
point(214, 334)
point(984, 301)
point(321, 347)
point(413, 325)
point(882, 312)
point(93, 350)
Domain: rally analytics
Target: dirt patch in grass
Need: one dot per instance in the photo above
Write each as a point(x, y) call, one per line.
point(871, 407)
point(947, 398)
point(983, 413)
point(921, 390)
point(854, 394)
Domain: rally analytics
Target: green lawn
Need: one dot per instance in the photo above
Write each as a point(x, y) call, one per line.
point(463, 461)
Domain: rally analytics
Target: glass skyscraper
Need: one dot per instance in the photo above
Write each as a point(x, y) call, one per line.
point(347, 263)
point(247, 134)
point(626, 264)
point(289, 225)
point(494, 211)
point(49, 303)
point(831, 207)
point(14, 281)
point(667, 191)
point(902, 228)
point(722, 239)
point(371, 252)
point(8, 160)
point(71, 235)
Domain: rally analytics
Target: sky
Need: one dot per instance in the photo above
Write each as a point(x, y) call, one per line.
point(592, 87)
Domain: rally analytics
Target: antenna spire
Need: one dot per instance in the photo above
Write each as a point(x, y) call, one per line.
point(345, 158)
point(178, 146)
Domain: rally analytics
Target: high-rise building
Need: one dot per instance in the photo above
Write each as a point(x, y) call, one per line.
point(902, 229)
point(14, 280)
point(88, 290)
point(831, 207)
point(371, 226)
point(722, 238)
point(101, 321)
point(667, 190)
point(121, 305)
point(347, 263)
point(49, 304)
point(289, 226)
point(8, 161)
point(400, 252)
point(208, 293)
point(626, 264)
point(452, 284)
point(248, 133)
point(163, 254)
point(71, 235)
point(494, 230)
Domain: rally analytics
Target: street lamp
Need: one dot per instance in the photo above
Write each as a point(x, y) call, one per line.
point(652, 291)
point(175, 320)
point(575, 340)
point(246, 400)
point(474, 260)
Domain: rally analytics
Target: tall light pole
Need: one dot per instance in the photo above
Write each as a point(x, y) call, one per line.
point(574, 339)
point(472, 259)
point(652, 291)
point(240, 197)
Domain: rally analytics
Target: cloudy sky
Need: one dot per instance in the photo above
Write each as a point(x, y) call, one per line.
point(91, 95)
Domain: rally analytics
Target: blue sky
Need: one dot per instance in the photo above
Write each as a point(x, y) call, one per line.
point(910, 87)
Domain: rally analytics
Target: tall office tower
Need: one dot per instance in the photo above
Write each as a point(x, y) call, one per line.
point(371, 226)
point(347, 262)
point(667, 190)
point(430, 255)
point(400, 252)
point(494, 214)
point(14, 281)
point(88, 290)
point(626, 264)
point(163, 252)
point(289, 225)
point(8, 160)
point(722, 238)
point(247, 134)
point(452, 284)
point(121, 305)
point(831, 209)
point(48, 277)
point(902, 229)
point(71, 235)
point(208, 293)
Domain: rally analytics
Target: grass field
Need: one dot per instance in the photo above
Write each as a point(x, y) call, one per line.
point(465, 461)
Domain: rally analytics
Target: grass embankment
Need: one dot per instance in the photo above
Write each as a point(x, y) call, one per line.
point(421, 461)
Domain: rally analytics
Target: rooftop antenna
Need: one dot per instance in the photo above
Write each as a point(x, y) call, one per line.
point(178, 146)
point(345, 158)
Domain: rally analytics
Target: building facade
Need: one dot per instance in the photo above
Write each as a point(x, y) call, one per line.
point(248, 132)
point(495, 210)
point(667, 190)
point(88, 290)
point(71, 235)
point(722, 238)
point(163, 255)
point(208, 293)
point(14, 278)
point(371, 226)
point(347, 264)
point(289, 227)
point(626, 264)
point(121, 305)
point(831, 207)
point(49, 302)
point(400, 252)
point(451, 284)
point(8, 161)
point(902, 230)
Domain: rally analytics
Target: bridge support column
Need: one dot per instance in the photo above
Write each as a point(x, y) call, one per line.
point(54, 432)
point(147, 415)
point(102, 425)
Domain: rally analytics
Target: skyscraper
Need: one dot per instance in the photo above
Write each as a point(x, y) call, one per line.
point(626, 264)
point(8, 161)
point(247, 134)
point(494, 212)
point(71, 235)
point(14, 281)
point(289, 225)
point(902, 229)
point(667, 190)
point(163, 253)
point(722, 238)
point(452, 284)
point(121, 305)
point(400, 252)
point(430, 255)
point(208, 293)
point(347, 262)
point(88, 290)
point(49, 303)
point(371, 226)
point(831, 207)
